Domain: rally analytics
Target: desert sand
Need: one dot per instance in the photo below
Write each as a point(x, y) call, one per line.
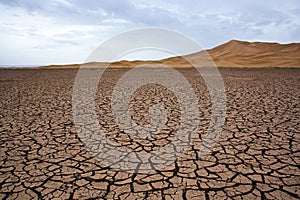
point(256, 157)
point(231, 54)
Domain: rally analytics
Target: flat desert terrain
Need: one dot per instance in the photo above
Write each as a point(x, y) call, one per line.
point(257, 155)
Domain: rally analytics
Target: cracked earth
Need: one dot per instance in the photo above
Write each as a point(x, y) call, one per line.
point(257, 155)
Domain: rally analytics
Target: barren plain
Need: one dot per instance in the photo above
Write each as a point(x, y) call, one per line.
point(257, 155)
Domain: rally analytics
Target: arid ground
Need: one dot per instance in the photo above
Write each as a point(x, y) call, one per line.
point(257, 155)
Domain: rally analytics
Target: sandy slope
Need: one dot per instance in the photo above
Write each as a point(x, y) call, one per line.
point(237, 53)
point(231, 54)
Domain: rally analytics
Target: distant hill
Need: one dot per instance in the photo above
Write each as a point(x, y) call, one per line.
point(262, 54)
point(231, 54)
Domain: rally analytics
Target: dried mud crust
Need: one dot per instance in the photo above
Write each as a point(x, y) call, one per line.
point(257, 155)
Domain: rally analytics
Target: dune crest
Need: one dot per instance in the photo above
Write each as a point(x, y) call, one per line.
point(260, 54)
point(234, 53)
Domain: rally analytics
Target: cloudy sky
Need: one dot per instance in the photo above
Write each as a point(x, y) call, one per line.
point(39, 32)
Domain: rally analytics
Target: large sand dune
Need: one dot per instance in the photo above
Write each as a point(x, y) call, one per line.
point(231, 54)
point(237, 53)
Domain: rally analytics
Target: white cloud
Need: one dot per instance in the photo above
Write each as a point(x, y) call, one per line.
point(32, 38)
point(66, 31)
point(65, 3)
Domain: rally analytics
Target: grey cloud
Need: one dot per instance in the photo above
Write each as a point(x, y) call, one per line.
point(208, 22)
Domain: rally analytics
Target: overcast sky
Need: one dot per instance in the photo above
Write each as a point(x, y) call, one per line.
point(39, 32)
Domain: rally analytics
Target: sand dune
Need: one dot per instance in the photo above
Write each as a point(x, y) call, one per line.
point(238, 53)
point(231, 54)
